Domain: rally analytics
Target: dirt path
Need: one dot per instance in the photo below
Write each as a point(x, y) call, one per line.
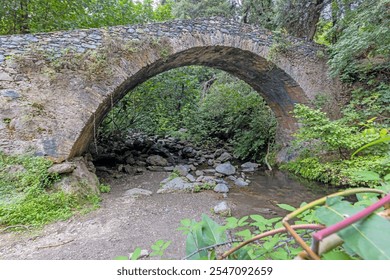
point(118, 227)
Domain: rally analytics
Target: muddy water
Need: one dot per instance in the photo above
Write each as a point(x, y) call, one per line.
point(267, 189)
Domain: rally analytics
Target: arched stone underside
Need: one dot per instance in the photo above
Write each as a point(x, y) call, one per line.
point(58, 89)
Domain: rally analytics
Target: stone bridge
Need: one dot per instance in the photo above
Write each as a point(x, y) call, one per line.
point(56, 88)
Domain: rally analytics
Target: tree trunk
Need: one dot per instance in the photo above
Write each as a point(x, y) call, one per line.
point(24, 17)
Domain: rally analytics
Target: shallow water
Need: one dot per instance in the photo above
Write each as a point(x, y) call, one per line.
point(267, 189)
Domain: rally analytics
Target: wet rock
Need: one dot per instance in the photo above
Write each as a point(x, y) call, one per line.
point(222, 209)
point(226, 169)
point(240, 183)
point(224, 157)
point(157, 160)
point(221, 188)
point(249, 167)
point(62, 168)
point(176, 185)
point(137, 192)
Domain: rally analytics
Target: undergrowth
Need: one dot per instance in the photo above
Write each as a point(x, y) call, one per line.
point(28, 196)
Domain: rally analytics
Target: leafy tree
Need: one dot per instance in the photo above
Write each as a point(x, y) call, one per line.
point(203, 8)
point(26, 16)
point(260, 12)
point(363, 46)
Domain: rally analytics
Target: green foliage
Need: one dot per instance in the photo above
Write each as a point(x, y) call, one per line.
point(363, 46)
point(370, 103)
point(188, 9)
point(228, 111)
point(104, 188)
point(159, 247)
point(29, 16)
point(205, 186)
point(367, 238)
point(339, 172)
point(159, 105)
point(27, 196)
point(232, 111)
point(335, 135)
point(329, 144)
point(201, 235)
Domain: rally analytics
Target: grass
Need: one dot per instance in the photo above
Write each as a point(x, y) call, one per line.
point(28, 196)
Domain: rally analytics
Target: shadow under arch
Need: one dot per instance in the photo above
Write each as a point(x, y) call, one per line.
point(277, 88)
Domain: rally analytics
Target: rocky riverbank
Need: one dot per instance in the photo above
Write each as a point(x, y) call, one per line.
point(192, 168)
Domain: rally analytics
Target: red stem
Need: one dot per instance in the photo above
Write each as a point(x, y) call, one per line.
point(320, 235)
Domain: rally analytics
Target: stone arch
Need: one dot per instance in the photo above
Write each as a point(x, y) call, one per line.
point(77, 99)
point(278, 89)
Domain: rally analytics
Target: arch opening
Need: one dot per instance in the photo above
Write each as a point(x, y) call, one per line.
point(277, 88)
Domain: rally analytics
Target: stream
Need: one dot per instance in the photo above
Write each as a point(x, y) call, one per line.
point(123, 223)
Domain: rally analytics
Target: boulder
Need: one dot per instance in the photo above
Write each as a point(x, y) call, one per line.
point(176, 185)
point(62, 168)
point(191, 178)
point(80, 181)
point(221, 188)
point(226, 169)
point(240, 182)
point(182, 170)
point(157, 160)
point(249, 167)
point(222, 209)
point(224, 157)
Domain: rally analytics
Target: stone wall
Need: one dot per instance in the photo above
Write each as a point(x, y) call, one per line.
point(56, 88)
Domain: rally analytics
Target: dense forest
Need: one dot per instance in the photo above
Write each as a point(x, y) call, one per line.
point(213, 108)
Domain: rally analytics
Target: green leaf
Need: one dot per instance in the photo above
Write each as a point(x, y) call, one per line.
point(159, 247)
point(368, 238)
point(336, 255)
point(212, 232)
point(246, 234)
point(375, 142)
point(121, 258)
point(367, 176)
point(287, 207)
point(194, 242)
point(242, 222)
point(136, 254)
